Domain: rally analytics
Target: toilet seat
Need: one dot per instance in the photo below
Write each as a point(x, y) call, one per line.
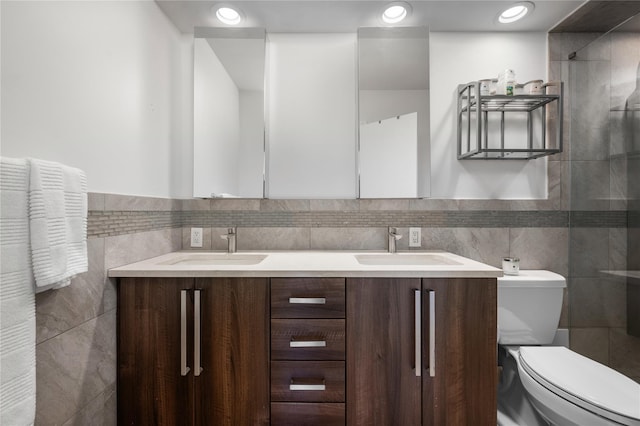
point(583, 382)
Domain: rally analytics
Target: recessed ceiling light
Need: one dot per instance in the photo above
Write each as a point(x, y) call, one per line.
point(228, 15)
point(515, 12)
point(396, 12)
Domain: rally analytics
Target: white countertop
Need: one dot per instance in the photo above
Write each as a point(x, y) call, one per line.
point(437, 264)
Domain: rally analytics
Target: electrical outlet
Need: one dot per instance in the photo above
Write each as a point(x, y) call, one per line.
point(196, 237)
point(415, 237)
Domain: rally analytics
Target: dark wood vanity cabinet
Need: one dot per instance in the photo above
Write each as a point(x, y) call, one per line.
point(382, 385)
point(193, 351)
point(306, 351)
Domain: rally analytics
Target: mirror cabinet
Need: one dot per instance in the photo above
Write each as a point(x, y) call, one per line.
point(336, 116)
point(393, 99)
point(228, 109)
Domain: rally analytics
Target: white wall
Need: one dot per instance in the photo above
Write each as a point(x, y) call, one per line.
point(103, 86)
point(463, 57)
point(216, 132)
point(312, 115)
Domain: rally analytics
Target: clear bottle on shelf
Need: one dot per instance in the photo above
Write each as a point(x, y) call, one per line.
point(507, 82)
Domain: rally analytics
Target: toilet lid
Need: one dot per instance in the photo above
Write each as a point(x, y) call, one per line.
point(586, 382)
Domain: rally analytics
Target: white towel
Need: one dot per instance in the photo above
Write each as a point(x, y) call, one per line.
point(17, 299)
point(58, 223)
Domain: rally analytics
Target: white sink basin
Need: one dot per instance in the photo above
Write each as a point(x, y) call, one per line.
point(404, 259)
point(217, 259)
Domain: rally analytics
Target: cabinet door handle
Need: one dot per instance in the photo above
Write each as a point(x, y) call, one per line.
point(308, 300)
point(308, 343)
point(418, 331)
point(184, 370)
point(197, 369)
point(432, 333)
point(307, 385)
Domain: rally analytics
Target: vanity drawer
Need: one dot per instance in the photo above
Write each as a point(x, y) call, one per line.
point(308, 414)
point(311, 339)
point(307, 297)
point(307, 381)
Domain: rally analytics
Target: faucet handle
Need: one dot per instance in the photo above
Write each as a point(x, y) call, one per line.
point(393, 232)
point(231, 231)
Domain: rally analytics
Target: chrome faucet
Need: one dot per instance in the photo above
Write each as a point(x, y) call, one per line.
point(393, 237)
point(230, 236)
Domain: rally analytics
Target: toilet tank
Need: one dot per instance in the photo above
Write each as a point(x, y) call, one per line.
point(529, 307)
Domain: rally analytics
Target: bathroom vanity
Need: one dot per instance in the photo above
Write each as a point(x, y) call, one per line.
point(293, 338)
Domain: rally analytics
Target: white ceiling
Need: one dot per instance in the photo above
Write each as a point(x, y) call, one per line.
point(304, 16)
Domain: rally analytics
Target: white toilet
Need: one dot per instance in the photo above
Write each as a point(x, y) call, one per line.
point(564, 387)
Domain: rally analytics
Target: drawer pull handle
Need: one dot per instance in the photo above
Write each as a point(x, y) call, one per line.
point(307, 343)
point(184, 370)
point(307, 385)
point(308, 300)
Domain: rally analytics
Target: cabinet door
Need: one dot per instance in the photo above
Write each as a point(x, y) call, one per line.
point(151, 387)
point(382, 386)
point(233, 386)
point(463, 390)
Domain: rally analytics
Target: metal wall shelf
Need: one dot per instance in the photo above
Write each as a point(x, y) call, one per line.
point(474, 111)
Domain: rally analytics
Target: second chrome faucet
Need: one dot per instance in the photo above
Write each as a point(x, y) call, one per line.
point(230, 236)
point(393, 238)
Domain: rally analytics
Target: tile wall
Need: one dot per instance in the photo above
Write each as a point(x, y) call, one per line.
point(76, 325)
point(485, 230)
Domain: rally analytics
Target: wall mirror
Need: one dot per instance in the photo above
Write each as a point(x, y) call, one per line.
point(393, 96)
point(312, 115)
point(229, 124)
